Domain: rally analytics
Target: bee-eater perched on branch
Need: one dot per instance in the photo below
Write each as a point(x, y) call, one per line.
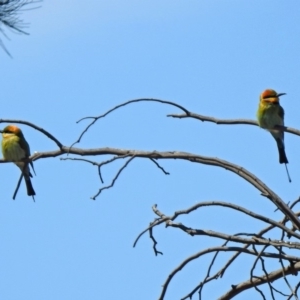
point(270, 114)
point(15, 148)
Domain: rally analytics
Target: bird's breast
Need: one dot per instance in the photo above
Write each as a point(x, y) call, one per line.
point(269, 116)
point(11, 149)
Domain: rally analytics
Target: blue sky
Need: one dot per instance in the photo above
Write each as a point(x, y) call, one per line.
point(212, 57)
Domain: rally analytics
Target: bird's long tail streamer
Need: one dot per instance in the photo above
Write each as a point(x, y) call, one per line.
point(288, 174)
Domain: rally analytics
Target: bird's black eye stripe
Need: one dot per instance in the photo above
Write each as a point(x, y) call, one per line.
point(269, 97)
point(7, 131)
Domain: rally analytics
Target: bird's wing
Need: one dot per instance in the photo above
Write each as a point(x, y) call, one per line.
point(281, 113)
point(24, 145)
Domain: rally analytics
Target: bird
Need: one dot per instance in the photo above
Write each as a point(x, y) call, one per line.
point(15, 148)
point(269, 115)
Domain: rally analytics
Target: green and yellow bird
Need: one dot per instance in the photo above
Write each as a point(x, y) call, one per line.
point(15, 148)
point(270, 114)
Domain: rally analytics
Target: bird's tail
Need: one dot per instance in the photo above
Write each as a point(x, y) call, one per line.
point(278, 136)
point(27, 174)
point(30, 190)
point(282, 156)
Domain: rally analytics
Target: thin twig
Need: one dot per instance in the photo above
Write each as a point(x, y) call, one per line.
point(154, 242)
point(45, 132)
point(160, 167)
point(294, 291)
point(283, 272)
point(95, 163)
point(114, 179)
point(95, 119)
point(201, 285)
point(272, 276)
point(229, 121)
point(221, 272)
point(266, 274)
point(213, 203)
point(225, 249)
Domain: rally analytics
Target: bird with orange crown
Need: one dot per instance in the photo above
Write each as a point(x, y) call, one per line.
point(269, 115)
point(15, 148)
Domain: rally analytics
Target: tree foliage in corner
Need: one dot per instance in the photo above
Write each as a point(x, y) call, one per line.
point(10, 11)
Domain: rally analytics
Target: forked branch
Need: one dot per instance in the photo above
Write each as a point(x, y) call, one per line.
point(272, 276)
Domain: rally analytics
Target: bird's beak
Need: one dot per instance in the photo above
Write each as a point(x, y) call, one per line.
point(281, 94)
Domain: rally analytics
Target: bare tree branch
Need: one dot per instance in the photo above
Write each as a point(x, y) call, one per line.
point(95, 119)
point(166, 219)
point(96, 163)
point(154, 242)
point(294, 293)
point(246, 239)
point(283, 272)
point(114, 179)
point(266, 274)
point(229, 121)
point(242, 286)
point(242, 172)
point(45, 132)
point(160, 167)
point(186, 114)
point(258, 281)
point(233, 238)
point(221, 272)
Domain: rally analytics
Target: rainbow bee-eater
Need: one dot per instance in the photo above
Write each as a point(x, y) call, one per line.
point(269, 115)
point(15, 148)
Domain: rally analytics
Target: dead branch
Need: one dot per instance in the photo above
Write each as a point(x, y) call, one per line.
point(295, 291)
point(256, 240)
point(96, 163)
point(242, 172)
point(234, 238)
point(95, 119)
point(272, 276)
point(166, 219)
point(114, 179)
point(154, 242)
point(230, 249)
point(228, 121)
point(159, 166)
point(266, 273)
point(221, 272)
point(283, 272)
point(186, 114)
point(45, 132)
